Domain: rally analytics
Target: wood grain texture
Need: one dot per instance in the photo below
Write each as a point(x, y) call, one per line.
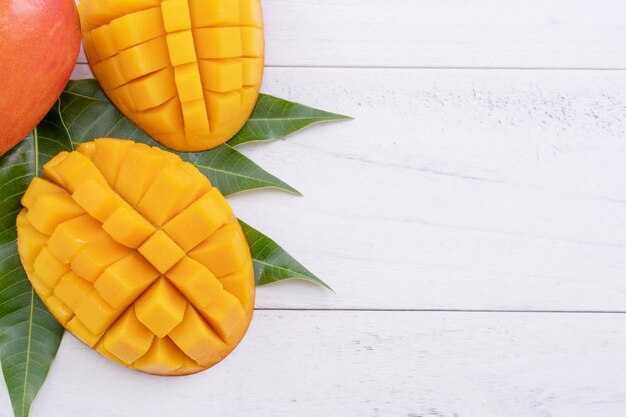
point(497, 190)
point(452, 189)
point(364, 364)
point(451, 33)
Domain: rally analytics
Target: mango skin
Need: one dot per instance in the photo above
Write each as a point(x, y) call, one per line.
point(153, 273)
point(188, 72)
point(39, 45)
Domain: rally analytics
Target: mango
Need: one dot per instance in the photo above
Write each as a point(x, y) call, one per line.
point(39, 44)
point(188, 72)
point(138, 256)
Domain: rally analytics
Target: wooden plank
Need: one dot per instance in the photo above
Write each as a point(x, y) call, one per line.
point(370, 364)
point(477, 189)
point(452, 33)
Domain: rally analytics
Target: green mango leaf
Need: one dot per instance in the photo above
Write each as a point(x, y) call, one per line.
point(272, 263)
point(88, 114)
point(29, 335)
point(274, 118)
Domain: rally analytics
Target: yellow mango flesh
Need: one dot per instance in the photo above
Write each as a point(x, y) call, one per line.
point(188, 72)
point(154, 274)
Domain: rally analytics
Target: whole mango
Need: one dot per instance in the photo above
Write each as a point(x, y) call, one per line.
point(39, 45)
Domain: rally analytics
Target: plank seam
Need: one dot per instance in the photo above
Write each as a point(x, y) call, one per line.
point(469, 311)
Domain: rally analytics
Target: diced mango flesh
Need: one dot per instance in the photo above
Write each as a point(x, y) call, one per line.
point(128, 339)
point(121, 283)
point(134, 252)
point(49, 268)
point(195, 281)
point(50, 210)
point(152, 55)
point(163, 358)
point(91, 261)
point(223, 252)
point(195, 337)
point(30, 241)
point(161, 251)
point(128, 227)
point(161, 308)
point(69, 237)
point(198, 221)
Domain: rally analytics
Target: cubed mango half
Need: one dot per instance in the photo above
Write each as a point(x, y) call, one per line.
point(137, 255)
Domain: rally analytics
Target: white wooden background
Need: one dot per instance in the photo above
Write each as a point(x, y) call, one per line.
point(472, 220)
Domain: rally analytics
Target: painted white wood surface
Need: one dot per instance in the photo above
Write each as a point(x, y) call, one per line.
point(446, 33)
point(387, 364)
point(453, 189)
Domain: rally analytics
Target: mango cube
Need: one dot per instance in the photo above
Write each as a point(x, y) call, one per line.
point(252, 42)
point(144, 58)
point(59, 309)
point(37, 188)
point(42, 290)
point(163, 358)
point(240, 286)
point(161, 251)
point(161, 308)
point(51, 210)
point(165, 118)
point(97, 200)
point(176, 15)
point(109, 156)
point(173, 181)
point(226, 316)
point(75, 169)
point(69, 237)
point(91, 261)
point(50, 173)
point(194, 336)
point(181, 48)
point(153, 90)
point(188, 82)
point(195, 118)
point(104, 42)
point(223, 13)
point(251, 69)
point(195, 281)
point(248, 98)
point(128, 339)
point(140, 167)
point(128, 227)
point(224, 252)
point(82, 332)
point(222, 75)
point(221, 42)
point(49, 268)
point(218, 105)
point(137, 28)
point(29, 241)
point(71, 290)
point(197, 222)
point(95, 313)
point(110, 73)
point(88, 149)
point(121, 283)
point(251, 13)
point(130, 6)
